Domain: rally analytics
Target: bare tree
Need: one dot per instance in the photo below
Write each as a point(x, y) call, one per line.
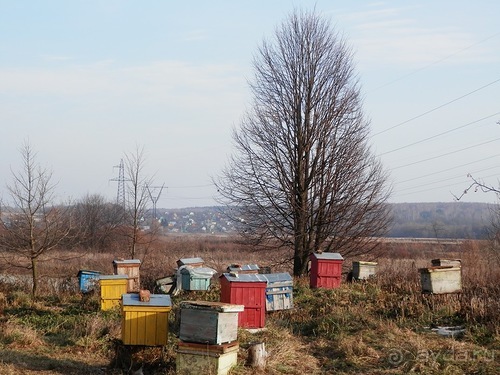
point(98, 220)
point(136, 200)
point(34, 225)
point(303, 175)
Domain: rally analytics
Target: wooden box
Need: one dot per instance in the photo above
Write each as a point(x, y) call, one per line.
point(145, 323)
point(112, 289)
point(326, 270)
point(363, 270)
point(87, 280)
point(248, 290)
point(279, 291)
point(209, 322)
point(197, 278)
point(441, 280)
point(206, 359)
point(129, 267)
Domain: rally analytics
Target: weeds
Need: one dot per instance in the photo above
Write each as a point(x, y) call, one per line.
point(380, 326)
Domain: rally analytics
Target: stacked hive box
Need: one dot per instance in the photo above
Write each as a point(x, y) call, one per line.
point(208, 334)
point(445, 276)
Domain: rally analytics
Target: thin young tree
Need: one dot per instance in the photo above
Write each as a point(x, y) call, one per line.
point(303, 175)
point(34, 225)
point(136, 200)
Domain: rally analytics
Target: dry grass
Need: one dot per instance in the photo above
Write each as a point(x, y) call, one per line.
point(382, 326)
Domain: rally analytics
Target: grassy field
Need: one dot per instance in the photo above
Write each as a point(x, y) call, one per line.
point(381, 326)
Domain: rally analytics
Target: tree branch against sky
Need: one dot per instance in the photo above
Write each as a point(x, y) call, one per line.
point(34, 224)
point(303, 175)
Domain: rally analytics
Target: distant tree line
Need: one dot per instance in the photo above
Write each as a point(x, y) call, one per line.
point(442, 220)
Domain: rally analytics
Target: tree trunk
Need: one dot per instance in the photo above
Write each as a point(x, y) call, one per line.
point(34, 274)
point(257, 355)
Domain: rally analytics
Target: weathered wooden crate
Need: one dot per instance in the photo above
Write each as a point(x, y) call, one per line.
point(195, 358)
point(279, 291)
point(441, 279)
point(87, 280)
point(129, 267)
point(326, 270)
point(112, 289)
point(248, 290)
point(197, 278)
point(362, 270)
point(209, 322)
point(145, 323)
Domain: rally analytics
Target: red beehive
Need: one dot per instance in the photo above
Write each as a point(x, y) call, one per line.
point(326, 270)
point(248, 290)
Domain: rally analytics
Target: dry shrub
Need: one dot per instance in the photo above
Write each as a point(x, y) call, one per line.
point(287, 353)
point(17, 337)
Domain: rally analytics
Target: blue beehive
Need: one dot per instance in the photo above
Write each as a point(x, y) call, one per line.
point(87, 280)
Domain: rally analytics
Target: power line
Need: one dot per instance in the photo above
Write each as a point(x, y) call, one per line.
point(436, 108)
point(438, 135)
point(445, 154)
point(448, 169)
point(445, 179)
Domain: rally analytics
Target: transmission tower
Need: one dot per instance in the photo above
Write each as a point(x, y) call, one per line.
point(120, 195)
point(154, 198)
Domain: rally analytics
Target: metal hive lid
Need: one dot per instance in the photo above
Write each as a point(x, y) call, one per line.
point(328, 256)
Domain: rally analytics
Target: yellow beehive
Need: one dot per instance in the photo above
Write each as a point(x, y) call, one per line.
point(112, 288)
point(145, 323)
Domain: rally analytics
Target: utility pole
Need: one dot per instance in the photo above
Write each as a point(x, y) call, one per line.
point(154, 198)
point(120, 195)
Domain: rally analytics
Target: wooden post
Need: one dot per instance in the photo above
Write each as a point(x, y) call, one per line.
point(257, 355)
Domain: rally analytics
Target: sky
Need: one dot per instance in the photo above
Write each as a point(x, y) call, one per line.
point(86, 82)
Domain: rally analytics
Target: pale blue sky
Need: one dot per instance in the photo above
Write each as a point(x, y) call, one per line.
point(86, 81)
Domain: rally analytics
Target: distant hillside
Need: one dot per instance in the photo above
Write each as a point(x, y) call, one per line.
point(442, 220)
point(415, 220)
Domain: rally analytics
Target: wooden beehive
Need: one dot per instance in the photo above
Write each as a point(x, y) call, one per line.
point(112, 289)
point(209, 322)
point(326, 270)
point(248, 290)
point(279, 291)
point(129, 267)
point(145, 323)
point(87, 280)
point(197, 278)
point(441, 279)
point(194, 358)
point(363, 270)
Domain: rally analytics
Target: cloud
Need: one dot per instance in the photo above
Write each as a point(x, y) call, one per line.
point(393, 36)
